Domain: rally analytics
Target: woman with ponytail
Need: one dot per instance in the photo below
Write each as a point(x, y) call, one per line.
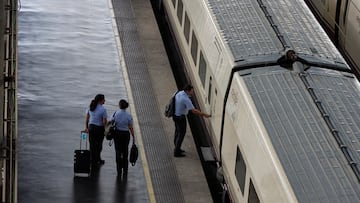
point(95, 120)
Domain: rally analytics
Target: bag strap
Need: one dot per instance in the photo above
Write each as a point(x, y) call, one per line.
point(113, 116)
point(176, 93)
point(174, 102)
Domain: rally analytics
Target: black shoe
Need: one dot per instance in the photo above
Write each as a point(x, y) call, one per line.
point(179, 151)
point(179, 155)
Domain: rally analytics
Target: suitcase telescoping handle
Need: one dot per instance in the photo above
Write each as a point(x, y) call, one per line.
point(83, 136)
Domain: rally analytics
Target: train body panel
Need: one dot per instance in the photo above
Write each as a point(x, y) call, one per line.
point(249, 34)
point(232, 51)
point(217, 56)
point(247, 142)
point(341, 20)
point(302, 140)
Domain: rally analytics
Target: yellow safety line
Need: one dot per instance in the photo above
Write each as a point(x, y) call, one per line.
point(138, 136)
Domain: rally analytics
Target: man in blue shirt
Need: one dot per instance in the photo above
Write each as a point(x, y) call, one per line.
point(183, 105)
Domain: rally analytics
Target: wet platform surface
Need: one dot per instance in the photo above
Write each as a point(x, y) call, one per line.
point(68, 55)
point(61, 54)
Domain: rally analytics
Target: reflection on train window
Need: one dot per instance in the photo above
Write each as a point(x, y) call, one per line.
point(174, 3)
point(194, 47)
point(180, 11)
point(187, 28)
point(240, 170)
point(345, 11)
point(209, 91)
point(253, 197)
point(202, 69)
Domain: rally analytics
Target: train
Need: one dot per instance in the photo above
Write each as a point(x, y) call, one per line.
point(284, 103)
point(341, 20)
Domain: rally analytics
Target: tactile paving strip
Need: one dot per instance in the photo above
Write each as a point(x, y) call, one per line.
point(162, 167)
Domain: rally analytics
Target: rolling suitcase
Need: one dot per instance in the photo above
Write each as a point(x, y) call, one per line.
point(82, 157)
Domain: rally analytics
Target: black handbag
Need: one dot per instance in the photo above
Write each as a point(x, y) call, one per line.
point(110, 130)
point(134, 153)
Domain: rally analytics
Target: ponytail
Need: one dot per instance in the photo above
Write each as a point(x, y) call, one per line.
point(93, 105)
point(95, 101)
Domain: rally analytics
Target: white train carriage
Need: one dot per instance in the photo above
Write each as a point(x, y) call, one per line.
point(283, 129)
point(342, 20)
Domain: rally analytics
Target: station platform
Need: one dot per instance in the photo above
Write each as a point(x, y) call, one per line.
point(150, 81)
point(68, 55)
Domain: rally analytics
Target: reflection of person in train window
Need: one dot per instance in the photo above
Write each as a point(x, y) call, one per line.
point(183, 105)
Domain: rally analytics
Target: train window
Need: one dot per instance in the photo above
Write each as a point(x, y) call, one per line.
point(253, 197)
point(187, 28)
point(202, 69)
point(209, 91)
point(240, 170)
point(180, 11)
point(194, 47)
point(174, 3)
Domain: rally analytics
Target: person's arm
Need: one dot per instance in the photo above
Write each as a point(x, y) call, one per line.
point(104, 121)
point(105, 115)
point(87, 117)
point(189, 105)
point(132, 132)
point(198, 112)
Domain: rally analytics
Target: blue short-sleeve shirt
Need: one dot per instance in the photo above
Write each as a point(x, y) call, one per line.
point(97, 116)
point(122, 120)
point(183, 103)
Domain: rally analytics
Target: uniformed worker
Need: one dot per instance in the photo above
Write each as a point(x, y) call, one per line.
point(95, 120)
point(183, 105)
point(124, 127)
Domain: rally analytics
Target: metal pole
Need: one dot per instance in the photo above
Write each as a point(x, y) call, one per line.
point(8, 110)
point(3, 18)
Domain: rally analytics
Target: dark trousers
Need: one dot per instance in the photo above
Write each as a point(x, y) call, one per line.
point(180, 130)
point(96, 138)
point(121, 140)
